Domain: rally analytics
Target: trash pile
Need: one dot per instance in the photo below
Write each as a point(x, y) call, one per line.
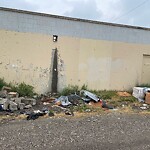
point(10, 101)
point(50, 104)
point(142, 94)
point(86, 98)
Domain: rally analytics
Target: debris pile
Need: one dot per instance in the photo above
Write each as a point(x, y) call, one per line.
point(86, 98)
point(10, 101)
point(49, 104)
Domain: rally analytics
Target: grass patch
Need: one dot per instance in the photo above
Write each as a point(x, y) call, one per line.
point(119, 101)
point(105, 94)
point(75, 89)
point(82, 108)
point(130, 99)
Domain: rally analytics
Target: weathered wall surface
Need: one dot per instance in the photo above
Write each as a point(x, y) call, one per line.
point(101, 56)
point(27, 57)
point(126, 65)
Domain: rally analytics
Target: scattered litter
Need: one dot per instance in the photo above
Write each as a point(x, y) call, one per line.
point(86, 99)
point(45, 103)
point(143, 108)
point(28, 101)
point(142, 94)
point(33, 116)
point(104, 105)
point(101, 104)
point(138, 92)
point(75, 99)
point(13, 106)
point(47, 99)
point(69, 112)
point(63, 100)
point(38, 113)
point(3, 94)
point(28, 106)
point(13, 94)
point(1, 107)
point(89, 95)
point(145, 105)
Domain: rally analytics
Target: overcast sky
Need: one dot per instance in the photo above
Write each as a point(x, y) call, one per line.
point(118, 11)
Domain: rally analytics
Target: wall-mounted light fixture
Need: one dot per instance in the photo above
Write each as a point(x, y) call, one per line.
point(55, 38)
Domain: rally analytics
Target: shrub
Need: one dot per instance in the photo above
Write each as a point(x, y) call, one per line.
point(70, 90)
point(2, 83)
point(24, 89)
point(84, 87)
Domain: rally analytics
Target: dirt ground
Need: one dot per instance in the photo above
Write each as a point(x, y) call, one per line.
point(108, 131)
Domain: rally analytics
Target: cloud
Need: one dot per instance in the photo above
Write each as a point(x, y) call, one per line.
point(139, 16)
point(85, 9)
point(58, 7)
point(109, 8)
point(102, 10)
point(18, 4)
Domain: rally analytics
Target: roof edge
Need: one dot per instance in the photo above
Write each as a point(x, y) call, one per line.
point(73, 19)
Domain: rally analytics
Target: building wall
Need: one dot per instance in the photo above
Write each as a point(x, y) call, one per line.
point(100, 56)
point(27, 57)
point(50, 25)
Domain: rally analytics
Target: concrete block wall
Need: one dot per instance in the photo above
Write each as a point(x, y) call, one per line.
point(48, 24)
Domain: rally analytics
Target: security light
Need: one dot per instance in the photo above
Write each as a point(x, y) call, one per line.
point(55, 38)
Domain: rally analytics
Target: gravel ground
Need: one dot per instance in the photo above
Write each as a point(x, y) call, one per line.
point(100, 132)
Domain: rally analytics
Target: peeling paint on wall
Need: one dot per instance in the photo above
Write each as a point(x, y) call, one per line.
point(27, 73)
point(61, 73)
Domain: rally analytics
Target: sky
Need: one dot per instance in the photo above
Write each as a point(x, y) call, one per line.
point(130, 12)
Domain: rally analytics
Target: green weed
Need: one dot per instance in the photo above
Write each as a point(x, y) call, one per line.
point(2, 83)
point(24, 89)
point(70, 90)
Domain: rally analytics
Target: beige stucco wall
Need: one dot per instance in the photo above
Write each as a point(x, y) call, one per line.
point(26, 57)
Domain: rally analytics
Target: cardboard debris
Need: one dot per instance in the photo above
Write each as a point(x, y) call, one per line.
point(147, 98)
point(123, 94)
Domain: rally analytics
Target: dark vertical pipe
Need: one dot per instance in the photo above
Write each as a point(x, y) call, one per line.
point(55, 72)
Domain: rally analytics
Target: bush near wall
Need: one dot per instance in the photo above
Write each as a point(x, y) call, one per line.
point(22, 89)
point(2, 83)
